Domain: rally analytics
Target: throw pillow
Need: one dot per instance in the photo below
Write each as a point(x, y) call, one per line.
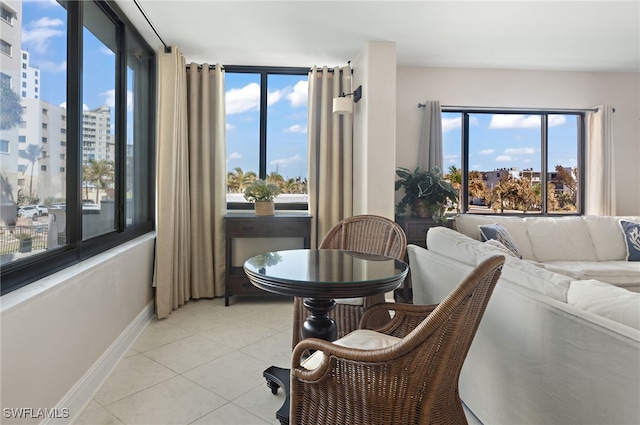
point(499, 246)
point(631, 233)
point(501, 234)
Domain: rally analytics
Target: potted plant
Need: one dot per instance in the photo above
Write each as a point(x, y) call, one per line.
point(427, 193)
point(262, 195)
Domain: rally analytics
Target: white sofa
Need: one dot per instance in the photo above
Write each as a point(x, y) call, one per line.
point(552, 348)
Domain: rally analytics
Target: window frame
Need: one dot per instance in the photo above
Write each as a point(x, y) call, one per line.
point(17, 274)
point(544, 142)
point(6, 48)
point(264, 72)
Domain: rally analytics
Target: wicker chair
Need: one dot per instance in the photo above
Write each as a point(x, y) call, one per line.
point(413, 380)
point(370, 234)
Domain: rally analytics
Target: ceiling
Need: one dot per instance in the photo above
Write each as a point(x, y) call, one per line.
point(565, 35)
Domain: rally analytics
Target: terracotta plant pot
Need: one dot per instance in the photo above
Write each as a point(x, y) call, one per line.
point(265, 208)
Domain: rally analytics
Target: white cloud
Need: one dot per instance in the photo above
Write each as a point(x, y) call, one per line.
point(52, 66)
point(244, 99)
point(557, 120)
point(523, 121)
point(247, 98)
point(274, 97)
point(296, 129)
point(449, 124)
point(38, 34)
point(235, 155)
point(519, 151)
point(129, 100)
point(502, 121)
point(504, 158)
point(476, 167)
point(300, 94)
point(50, 3)
point(230, 126)
point(110, 97)
point(106, 51)
point(486, 152)
point(287, 162)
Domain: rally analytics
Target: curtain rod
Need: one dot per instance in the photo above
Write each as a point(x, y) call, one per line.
point(200, 66)
point(486, 108)
point(271, 70)
point(167, 49)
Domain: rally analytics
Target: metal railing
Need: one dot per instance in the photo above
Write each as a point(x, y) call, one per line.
point(15, 239)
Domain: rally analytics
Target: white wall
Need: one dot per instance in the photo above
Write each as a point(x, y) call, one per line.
point(527, 89)
point(54, 331)
point(374, 130)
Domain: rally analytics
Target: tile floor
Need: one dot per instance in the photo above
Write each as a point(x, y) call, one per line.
point(202, 365)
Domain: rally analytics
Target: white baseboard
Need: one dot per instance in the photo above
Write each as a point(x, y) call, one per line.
point(81, 394)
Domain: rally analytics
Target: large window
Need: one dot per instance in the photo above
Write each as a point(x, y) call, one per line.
point(267, 132)
point(95, 76)
point(513, 162)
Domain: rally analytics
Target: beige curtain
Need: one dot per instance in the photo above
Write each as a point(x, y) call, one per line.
point(191, 198)
point(330, 140)
point(600, 179)
point(430, 144)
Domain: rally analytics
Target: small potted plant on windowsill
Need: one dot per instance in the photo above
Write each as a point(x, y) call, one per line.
point(427, 193)
point(262, 194)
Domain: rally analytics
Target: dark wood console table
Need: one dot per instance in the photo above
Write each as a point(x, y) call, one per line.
point(249, 225)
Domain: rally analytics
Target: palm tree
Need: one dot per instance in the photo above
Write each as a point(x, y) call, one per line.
point(32, 153)
point(99, 172)
point(455, 177)
point(277, 179)
point(477, 187)
point(238, 180)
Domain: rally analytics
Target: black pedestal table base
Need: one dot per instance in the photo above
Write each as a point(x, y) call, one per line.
point(318, 324)
point(279, 377)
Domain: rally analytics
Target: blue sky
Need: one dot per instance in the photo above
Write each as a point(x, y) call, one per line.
point(286, 123)
point(510, 140)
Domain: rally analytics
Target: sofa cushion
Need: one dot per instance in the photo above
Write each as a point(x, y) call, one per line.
point(607, 237)
point(499, 233)
point(560, 239)
point(468, 224)
point(536, 278)
point(631, 232)
point(606, 300)
point(453, 244)
point(622, 273)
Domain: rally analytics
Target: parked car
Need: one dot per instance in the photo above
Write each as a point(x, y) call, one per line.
point(89, 204)
point(30, 211)
point(42, 210)
point(59, 206)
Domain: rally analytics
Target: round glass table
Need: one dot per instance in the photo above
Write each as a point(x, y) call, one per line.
point(320, 276)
